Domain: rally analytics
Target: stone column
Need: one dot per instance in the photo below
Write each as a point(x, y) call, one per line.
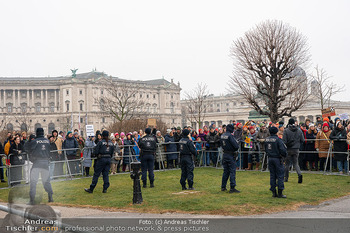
point(55, 100)
point(41, 99)
point(28, 104)
point(46, 102)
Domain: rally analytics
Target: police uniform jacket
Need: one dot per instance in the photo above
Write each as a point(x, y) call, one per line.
point(274, 147)
point(148, 144)
point(103, 149)
point(187, 147)
point(228, 143)
point(38, 149)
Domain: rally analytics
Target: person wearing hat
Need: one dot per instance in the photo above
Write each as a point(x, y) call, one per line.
point(70, 145)
point(263, 133)
point(229, 146)
point(276, 151)
point(39, 154)
point(187, 150)
point(148, 147)
point(339, 136)
point(104, 151)
point(293, 138)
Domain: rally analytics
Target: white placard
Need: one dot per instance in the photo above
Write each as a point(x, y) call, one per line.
point(90, 130)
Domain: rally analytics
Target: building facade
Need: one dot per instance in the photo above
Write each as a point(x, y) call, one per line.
point(226, 108)
point(69, 102)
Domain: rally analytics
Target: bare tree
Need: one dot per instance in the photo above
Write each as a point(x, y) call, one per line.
point(196, 104)
point(324, 88)
point(122, 99)
point(23, 121)
point(267, 73)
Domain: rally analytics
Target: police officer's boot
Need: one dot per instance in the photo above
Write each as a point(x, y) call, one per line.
point(151, 184)
point(274, 193)
point(234, 190)
point(31, 201)
point(144, 183)
point(50, 197)
point(190, 188)
point(223, 189)
point(184, 187)
point(280, 194)
point(300, 179)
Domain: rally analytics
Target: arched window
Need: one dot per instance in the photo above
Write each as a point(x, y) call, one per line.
point(51, 127)
point(36, 126)
point(24, 127)
point(9, 127)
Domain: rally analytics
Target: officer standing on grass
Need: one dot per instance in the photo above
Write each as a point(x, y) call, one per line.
point(187, 150)
point(276, 151)
point(104, 151)
point(39, 154)
point(229, 146)
point(148, 147)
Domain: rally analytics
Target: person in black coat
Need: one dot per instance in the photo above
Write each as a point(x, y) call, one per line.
point(276, 150)
point(187, 151)
point(1, 164)
point(339, 136)
point(17, 160)
point(312, 157)
point(104, 151)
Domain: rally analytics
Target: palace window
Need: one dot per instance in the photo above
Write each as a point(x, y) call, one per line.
point(81, 107)
point(37, 107)
point(80, 92)
point(9, 107)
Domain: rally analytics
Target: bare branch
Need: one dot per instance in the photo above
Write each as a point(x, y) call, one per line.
point(267, 73)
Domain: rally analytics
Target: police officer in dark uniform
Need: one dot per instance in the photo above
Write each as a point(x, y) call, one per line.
point(187, 150)
point(276, 151)
point(229, 146)
point(148, 147)
point(104, 151)
point(39, 154)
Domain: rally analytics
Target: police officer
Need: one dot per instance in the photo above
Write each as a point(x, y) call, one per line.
point(104, 151)
point(187, 150)
point(276, 150)
point(39, 154)
point(148, 147)
point(229, 146)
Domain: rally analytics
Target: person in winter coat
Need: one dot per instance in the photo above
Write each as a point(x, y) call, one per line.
point(201, 135)
point(58, 170)
point(245, 145)
point(1, 165)
point(160, 154)
point(128, 151)
point(263, 133)
point(339, 136)
point(72, 145)
point(88, 154)
point(254, 150)
point(311, 158)
point(171, 150)
point(293, 137)
point(213, 140)
point(54, 156)
point(17, 159)
point(322, 145)
point(119, 156)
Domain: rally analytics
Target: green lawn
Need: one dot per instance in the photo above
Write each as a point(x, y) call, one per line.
point(255, 197)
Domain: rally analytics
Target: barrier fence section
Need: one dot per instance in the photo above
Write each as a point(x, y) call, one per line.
point(69, 162)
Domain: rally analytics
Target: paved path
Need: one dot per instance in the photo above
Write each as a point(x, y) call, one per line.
point(339, 208)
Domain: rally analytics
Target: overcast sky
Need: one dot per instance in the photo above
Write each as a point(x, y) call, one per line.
point(188, 41)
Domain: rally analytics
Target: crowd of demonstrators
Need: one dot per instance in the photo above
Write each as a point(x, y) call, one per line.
point(313, 142)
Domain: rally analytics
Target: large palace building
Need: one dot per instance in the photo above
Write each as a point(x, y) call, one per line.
point(67, 102)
